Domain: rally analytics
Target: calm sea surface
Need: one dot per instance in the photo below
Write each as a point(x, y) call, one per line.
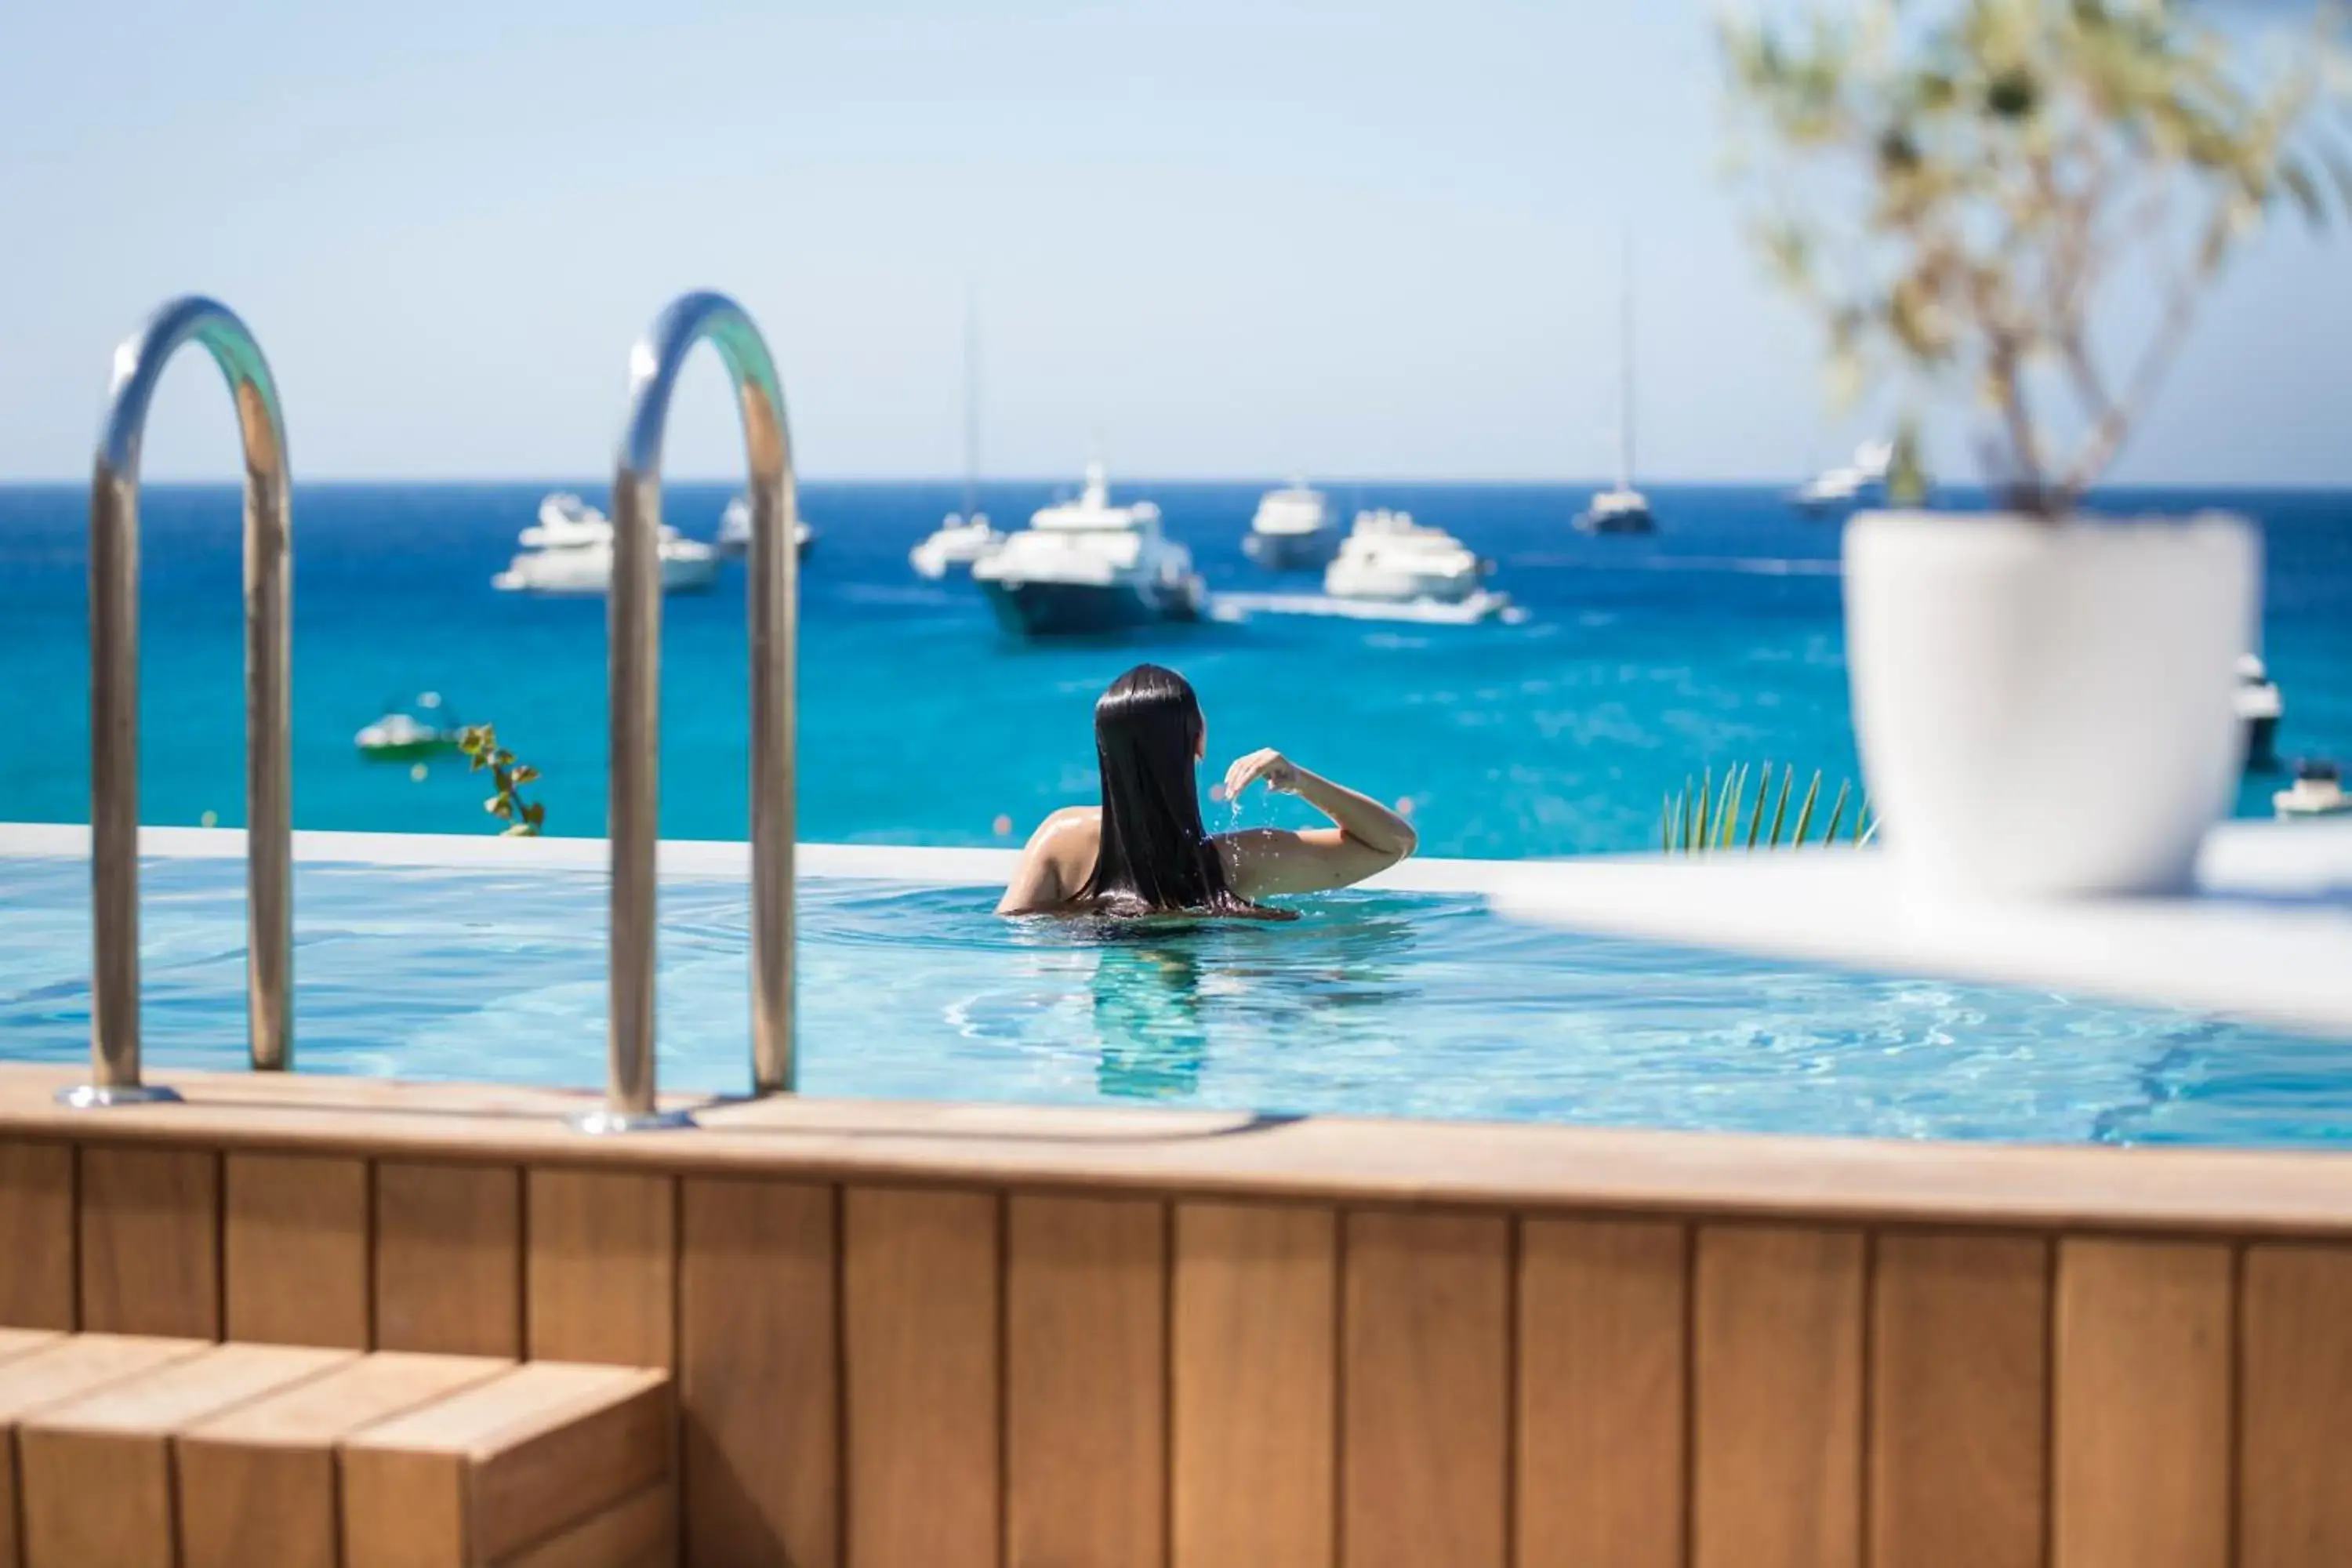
point(1641, 661)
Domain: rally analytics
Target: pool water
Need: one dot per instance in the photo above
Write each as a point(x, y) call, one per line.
point(1371, 1004)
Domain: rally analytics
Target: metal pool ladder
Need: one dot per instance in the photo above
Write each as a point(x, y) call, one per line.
point(114, 699)
point(634, 632)
point(634, 637)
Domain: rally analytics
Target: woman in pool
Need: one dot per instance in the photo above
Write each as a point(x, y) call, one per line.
point(1144, 851)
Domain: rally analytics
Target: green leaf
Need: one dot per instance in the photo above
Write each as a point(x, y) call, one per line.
point(1829, 834)
point(1805, 813)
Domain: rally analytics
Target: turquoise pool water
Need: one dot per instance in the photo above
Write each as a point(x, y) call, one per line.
point(1372, 1003)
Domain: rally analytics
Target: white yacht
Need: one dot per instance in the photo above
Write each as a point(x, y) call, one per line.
point(1088, 566)
point(1293, 529)
point(569, 551)
point(2259, 707)
point(734, 541)
point(2318, 791)
point(1622, 508)
point(1857, 483)
point(1388, 558)
point(960, 540)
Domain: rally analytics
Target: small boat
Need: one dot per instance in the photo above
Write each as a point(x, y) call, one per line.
point(960, 540)
point(570, 551)
point(963, 537)
point(1389, 559)
point(1087, 566)
point(2260, 706)
point(401, 737)
point(1292, 530)
point(1850, 485)
point(734, 541)
point(1622, 508)
point(2318, 791)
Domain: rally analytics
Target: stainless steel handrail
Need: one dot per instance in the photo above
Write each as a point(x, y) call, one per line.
point(634, 632)
point(114, 699)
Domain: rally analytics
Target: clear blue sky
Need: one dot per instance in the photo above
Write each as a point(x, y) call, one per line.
point(1235, 237)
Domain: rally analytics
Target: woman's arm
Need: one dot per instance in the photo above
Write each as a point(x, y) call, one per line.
point(1368, 838)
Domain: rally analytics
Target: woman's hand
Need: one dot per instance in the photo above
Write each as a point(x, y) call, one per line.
point(1280, 774)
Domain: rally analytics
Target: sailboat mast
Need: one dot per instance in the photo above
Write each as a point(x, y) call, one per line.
point(1626, 366)
point(970, 405)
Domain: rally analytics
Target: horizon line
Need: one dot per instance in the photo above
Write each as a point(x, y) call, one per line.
point(951, 481)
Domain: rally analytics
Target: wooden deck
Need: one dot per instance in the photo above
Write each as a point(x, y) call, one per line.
point(937, 1335)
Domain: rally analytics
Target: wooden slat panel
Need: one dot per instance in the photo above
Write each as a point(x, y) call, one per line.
point(448, 1259)
point(96, 1474)
point(294, 1249)
point(500, 1467)
point(2295, 1469)
point(1602, 1313)
point(2141, 1416)
point(259, 1484)
point(1959, 1388)
point(1085, 1382)
point(37, 1235)
point(1775, 1364)
point(603, 1255)
point(151, 1241)
point(1425, 1390)
point(759, 1373)
point(919, 1332)
point(1252, 1345)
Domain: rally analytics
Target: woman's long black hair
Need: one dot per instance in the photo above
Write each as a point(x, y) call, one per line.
point(1156, 857)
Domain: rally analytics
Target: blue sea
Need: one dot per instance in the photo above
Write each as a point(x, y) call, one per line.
point(1641, 662)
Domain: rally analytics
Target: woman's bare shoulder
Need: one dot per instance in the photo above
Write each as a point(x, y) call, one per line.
point(1055, 862)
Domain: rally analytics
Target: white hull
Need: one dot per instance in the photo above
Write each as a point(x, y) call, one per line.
point(1382, 585)
point(584, 571)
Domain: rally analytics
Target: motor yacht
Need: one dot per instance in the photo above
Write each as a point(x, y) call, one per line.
point(1086, 566)
point(1388, 558)
point(734, 541)
point(2318, 791)
point(570, 551)
point(1860, 482)
point(2260, 706)
point(1293, 529)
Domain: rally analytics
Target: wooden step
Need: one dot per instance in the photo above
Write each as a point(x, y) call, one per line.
point(96, 1471)
point(121, 1452)
point(40, 1370)
point(258, 1484)
point(549, 1466)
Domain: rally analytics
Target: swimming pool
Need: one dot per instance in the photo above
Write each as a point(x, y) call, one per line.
point(1388, 1004)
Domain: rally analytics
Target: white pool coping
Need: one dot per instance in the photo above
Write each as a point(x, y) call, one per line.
point(2267, 937)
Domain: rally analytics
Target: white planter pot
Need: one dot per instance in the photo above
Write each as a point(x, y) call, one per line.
point(2045, 710)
